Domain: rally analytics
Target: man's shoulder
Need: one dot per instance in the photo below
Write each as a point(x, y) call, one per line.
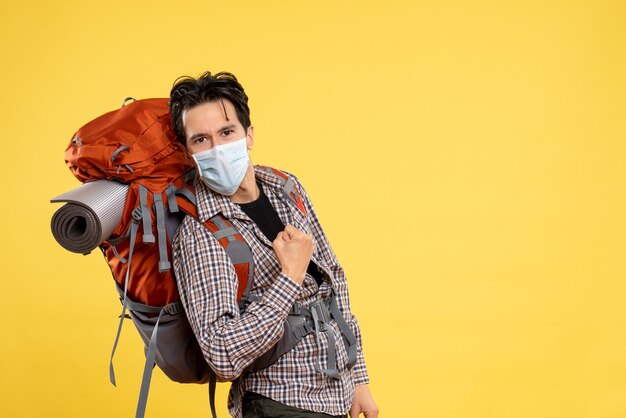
point(275, 176)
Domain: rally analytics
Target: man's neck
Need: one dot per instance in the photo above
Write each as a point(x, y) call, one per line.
point(248, 191)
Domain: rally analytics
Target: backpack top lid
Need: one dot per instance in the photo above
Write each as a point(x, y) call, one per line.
point(135, 143)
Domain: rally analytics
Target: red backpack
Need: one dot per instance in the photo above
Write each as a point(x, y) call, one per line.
point(136, 145)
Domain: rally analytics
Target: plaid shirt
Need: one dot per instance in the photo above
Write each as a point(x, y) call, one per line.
point(231, 341)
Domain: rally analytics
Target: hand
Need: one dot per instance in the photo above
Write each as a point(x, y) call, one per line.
point(363, 403)
point(294, 249)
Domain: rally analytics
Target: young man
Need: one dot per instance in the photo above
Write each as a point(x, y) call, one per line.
point(294, 269)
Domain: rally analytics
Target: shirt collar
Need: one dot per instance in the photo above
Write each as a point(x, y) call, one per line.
point(210, 203)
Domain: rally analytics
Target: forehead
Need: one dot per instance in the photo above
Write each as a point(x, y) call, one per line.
point(209, 115)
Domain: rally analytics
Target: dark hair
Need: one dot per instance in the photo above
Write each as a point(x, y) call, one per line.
point(188, 92)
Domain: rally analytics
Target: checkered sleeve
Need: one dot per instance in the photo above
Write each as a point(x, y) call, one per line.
point(340, 284)
point(207, 284)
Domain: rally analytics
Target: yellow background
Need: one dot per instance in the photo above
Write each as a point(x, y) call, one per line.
point(466, 159)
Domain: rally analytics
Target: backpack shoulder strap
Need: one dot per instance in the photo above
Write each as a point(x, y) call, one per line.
point(239, 253)
point(230, 239)
point(290, 189)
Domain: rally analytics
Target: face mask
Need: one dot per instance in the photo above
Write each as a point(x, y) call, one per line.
point(223, 167)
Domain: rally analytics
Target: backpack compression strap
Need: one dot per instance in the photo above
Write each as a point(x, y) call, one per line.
point(134, 227)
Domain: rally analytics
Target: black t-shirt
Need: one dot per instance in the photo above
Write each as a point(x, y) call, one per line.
point(264, 215)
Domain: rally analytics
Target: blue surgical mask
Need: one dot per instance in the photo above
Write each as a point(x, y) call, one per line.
point(223, 167)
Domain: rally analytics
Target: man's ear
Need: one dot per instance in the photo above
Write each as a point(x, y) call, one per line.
point(250, 138)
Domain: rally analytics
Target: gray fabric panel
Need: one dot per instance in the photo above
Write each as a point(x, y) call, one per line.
point(271, 356)
point(90, 215)
point(178, 353)
point(148, 237)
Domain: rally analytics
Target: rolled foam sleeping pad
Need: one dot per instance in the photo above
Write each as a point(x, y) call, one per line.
point(90, 215)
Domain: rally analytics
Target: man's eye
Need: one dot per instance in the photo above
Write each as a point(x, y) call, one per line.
point(200, 139)
point(227, 132)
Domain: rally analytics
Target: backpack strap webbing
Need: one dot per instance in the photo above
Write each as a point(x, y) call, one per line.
point(170, 192)
point(184, 191)
point(164, 264)
point(134, 227)
point(147, 237)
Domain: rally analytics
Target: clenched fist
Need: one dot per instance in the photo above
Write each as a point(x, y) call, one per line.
point(294, 249)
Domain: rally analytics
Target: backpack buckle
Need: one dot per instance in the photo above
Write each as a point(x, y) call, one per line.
point(136, 215)
point(323, 316)
point(173, 308)
point(295, 309)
